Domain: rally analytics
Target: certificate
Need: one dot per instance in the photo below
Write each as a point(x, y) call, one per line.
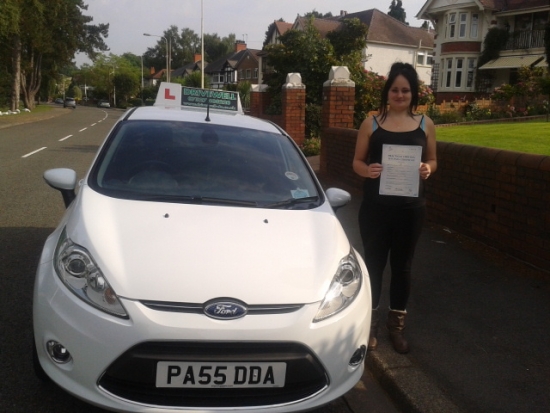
point(400, 173)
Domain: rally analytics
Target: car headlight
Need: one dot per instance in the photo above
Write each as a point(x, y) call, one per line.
point(345, 286)
point(79, 272)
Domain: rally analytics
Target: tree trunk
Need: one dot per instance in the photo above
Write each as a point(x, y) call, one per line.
point(30, 82)
point(16, 67)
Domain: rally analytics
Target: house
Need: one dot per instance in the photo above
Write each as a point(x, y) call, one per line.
point(389, 41)
point(189, 68)
point(238, 66)
point(154, 77)
point(275, 31)
point(461, 27)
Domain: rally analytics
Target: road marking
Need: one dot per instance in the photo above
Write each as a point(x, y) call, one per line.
point(33, 152)
point(82, 129)
point(93, 124)
point(65, 138)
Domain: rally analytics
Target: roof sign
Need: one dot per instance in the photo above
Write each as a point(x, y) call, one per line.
point(175, 95)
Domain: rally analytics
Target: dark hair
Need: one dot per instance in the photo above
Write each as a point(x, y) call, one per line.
point(408, 72)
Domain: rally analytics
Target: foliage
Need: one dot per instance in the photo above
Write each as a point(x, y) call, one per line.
point(425, 94)
point(397, 11)
point(308, 53)
point(194, 80)
point(311, 147)
point(367, 95)
point(475, 112)
point(494, 42)
point(244, 89)
point(313, 116)
point(267, 39)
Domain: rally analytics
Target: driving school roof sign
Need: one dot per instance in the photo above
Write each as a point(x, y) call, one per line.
point(173, 94)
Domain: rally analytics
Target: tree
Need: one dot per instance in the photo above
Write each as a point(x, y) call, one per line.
point(268, 31)
point(44, 35)
point(397, 11)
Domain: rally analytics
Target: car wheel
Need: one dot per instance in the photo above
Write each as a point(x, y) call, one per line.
point(37, 367)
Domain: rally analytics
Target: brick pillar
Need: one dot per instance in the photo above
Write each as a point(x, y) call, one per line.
point(338, 105)
point(293, 103)
point(257, 100)
point(338, 99)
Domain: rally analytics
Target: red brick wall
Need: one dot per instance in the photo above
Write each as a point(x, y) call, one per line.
point(294, 113)
point(499, 197)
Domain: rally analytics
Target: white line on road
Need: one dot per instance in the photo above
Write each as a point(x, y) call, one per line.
point(65, 138)
point(82, 129)
point(93, 124)
point(33, 152)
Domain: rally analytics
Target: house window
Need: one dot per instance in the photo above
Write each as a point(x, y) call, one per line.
point(452, 25)
point(458, 73)
point(462, 27)
point(256, 73)
point(471, 71)
point(420, 58)
point(429, 60)
point(474, 26)
point(448, 72)
point(248, 73)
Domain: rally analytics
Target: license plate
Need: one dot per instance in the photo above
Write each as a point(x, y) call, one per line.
point(205, 375)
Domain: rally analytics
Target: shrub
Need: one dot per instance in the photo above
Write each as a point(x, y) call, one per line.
point(311, 147)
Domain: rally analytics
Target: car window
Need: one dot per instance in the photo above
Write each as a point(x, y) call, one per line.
point(190, 162)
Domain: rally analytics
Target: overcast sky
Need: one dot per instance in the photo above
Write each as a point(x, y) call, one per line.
point(248, 20)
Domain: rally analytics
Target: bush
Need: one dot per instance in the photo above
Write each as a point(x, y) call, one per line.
point(448, 117)
point(313, 120)
point(311, 147)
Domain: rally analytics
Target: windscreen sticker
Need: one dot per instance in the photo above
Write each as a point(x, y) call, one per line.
point(299, 193)
point(292, 176)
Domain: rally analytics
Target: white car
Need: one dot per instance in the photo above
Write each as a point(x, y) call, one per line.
point(200, 267)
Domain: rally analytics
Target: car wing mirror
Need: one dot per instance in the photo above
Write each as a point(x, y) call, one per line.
point(64, 180)
point(337, 198)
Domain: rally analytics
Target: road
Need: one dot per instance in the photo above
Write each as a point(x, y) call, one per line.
point(30, 210)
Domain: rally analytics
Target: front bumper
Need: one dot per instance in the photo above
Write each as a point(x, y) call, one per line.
point(113, 360)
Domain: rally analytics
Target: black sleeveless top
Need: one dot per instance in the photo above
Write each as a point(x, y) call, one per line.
point(379, 137)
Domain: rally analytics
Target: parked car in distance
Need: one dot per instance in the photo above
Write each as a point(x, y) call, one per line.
point(200, 267)
point(69, 103)
point(103, 104)
point(59, 101)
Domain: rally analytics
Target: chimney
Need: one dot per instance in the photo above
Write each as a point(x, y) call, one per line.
point(343, 13)
point(197, 58)
point(152, 71)
point(240, 45)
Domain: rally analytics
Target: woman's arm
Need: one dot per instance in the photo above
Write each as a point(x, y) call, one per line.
point(361, 152)
point(430, 165)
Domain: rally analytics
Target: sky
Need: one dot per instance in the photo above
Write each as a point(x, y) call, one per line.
point(248, 20)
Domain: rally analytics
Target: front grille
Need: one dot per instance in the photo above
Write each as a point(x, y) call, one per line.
point(132, 376)
point(193, 308)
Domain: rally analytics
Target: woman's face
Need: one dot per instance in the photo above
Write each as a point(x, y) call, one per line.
point(399, 96)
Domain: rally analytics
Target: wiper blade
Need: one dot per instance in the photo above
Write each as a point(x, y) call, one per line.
point(292, 202)
point(198, 200)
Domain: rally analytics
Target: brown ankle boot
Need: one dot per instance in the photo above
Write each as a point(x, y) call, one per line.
point(373, 342)
point(396, 325)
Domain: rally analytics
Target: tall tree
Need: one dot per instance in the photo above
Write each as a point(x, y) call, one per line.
point(397, 11)
point(46, 33)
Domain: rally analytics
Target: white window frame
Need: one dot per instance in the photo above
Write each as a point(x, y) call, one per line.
point(451, 25)
point(470, 72)
point(474, 26)
point(459, 72)
point(462, 25)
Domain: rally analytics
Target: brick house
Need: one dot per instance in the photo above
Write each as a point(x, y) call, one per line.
point(461, 27)
point(238, 66)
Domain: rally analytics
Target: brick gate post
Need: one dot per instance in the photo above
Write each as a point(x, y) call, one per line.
point(293, 103)
point(338, 105)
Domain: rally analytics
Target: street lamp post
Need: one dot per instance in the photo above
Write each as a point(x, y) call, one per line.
point(142, 80)
point(168, 46)
point(202, 46)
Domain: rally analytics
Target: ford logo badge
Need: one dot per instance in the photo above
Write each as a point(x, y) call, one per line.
point(225, 309)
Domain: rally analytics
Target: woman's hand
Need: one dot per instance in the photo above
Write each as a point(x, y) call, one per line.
point(375, 169)
point(425, 170)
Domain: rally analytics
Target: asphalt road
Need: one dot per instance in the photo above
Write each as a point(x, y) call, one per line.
point(30, 210)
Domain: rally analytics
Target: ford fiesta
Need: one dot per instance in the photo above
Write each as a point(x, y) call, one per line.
point(199, 267)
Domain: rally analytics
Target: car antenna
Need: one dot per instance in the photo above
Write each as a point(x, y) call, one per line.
point(207, 110)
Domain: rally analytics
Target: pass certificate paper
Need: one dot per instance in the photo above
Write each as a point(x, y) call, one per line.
point(400, 175)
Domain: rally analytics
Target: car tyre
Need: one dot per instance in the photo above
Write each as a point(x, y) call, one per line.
point(37, 367)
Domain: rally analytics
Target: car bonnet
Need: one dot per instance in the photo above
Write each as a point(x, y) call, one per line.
point(194, 253)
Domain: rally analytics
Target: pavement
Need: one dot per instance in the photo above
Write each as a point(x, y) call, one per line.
point(477, 324)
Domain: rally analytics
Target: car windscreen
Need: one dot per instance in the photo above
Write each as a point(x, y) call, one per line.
point(168, 161)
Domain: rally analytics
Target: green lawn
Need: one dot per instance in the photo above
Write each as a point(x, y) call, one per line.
point(529, 137)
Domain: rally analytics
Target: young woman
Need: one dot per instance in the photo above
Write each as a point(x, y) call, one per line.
point(390, 224)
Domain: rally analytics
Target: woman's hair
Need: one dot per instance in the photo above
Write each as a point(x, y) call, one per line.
point(408, 72)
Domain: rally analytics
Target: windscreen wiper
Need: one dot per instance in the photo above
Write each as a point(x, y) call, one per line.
point(291, 202)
